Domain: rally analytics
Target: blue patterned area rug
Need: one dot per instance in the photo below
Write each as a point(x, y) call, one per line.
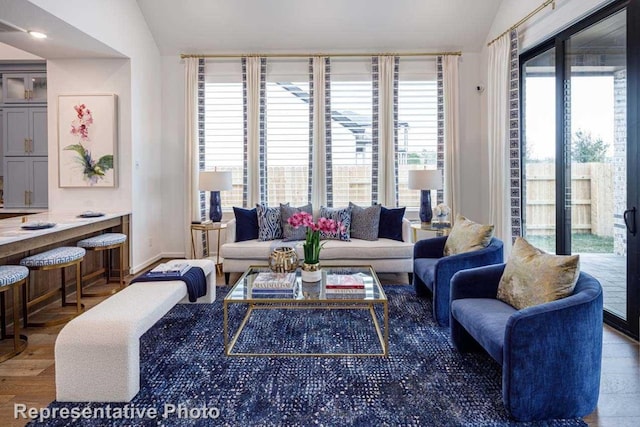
point(423, 381)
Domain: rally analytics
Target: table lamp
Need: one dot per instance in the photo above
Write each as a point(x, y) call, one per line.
point(425, 180)
point(215, 181)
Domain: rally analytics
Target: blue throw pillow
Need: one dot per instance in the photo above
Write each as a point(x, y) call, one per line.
point(391, 223)
point(269, 227)
point(246, 224)
point(343, 216)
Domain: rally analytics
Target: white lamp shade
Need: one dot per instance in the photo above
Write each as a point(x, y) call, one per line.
point(215, 181)
point(425, 179)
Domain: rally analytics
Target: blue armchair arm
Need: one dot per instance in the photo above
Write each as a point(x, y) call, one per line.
point(479, 282)
point(429, 248)
point(450, 265)
point(564, 338)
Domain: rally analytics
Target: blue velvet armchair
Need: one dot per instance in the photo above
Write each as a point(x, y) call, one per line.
point(550, 353)
point(432, 271)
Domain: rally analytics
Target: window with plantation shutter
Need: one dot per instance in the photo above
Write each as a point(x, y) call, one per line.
point(417, 123)
point(224, 139)
point(350, 135)
point(287, 130)
point(351, 130)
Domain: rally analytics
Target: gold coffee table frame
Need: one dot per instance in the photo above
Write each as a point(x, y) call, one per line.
point(305, 301)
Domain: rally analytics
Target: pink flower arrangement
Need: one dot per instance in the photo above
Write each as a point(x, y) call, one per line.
point(312, 244)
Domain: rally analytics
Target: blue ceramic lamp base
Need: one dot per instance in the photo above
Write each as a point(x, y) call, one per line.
point(426, 214)
point(215, 207)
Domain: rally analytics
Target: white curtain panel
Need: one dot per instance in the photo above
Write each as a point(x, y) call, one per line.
point(319, 172)
point(498, 128)
point(253, 131)
point(386, 171)
point(192, 212)
point(450, 86)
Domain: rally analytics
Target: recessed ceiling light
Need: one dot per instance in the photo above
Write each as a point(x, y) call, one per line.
point(37, 35)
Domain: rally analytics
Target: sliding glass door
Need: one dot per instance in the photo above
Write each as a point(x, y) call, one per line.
point(539, 154)
point(580, 162)
point(596, 132)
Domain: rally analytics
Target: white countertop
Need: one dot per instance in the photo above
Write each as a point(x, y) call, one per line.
point(11, 232)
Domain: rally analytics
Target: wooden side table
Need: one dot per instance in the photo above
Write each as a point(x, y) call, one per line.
point(440, 231)
point(206, 227)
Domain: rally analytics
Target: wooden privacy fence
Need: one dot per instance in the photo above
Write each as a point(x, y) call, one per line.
point(290, 184)
point(591, 193)
point(591, 198)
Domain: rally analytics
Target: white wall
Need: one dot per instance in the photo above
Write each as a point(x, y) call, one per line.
point(12, 53)
point(78, 76)
point(173, 153)
point(121, 25)
point(471, 169)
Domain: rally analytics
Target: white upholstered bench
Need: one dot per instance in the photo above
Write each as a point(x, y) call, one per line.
point(97, 354)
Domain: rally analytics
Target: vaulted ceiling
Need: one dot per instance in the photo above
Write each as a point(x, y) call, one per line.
point(270, 26)
point(310, 26)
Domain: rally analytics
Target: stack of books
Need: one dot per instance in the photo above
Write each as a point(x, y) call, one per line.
point(268, 284)
point(168, 270)
point(344, 286)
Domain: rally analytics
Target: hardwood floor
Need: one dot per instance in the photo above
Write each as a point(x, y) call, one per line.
point(619, 403)
point(29, 378)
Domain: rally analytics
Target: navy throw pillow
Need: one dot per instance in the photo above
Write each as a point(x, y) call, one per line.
point(246, 224)
point(391, 223)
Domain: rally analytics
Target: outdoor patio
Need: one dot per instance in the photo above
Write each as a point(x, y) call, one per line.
point(611, 271)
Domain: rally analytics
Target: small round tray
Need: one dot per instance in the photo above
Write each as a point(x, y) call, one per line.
point(37, 225)
point(90, 214)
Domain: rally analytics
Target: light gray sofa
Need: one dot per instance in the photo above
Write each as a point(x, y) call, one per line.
point(384, 255)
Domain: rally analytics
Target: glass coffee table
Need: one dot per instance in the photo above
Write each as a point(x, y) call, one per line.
point(352, 288)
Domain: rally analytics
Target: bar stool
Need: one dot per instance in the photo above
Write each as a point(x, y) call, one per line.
point(13, 277)
point(105, 242)
point(52, 259)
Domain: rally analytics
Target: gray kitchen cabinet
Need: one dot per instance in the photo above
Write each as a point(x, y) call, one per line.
point(21, 88)
point(25, 131)
point(25, 182)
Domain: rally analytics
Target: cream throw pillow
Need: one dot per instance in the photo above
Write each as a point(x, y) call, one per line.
point(467, 236)
point(533, 277)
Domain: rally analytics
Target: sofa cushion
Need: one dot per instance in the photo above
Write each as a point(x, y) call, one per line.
point(533, 277)
point(251, 249)
point(246, 224)
point(289, 232)
point(332, 249)
point(391, 223)
point(486, 321)
point(269, 226)
point(467, 236)
point(364, 249)
point(365, 222)
point(425, 269)
point(340, 215)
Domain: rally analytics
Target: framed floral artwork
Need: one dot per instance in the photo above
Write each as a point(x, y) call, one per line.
point(87, 140)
